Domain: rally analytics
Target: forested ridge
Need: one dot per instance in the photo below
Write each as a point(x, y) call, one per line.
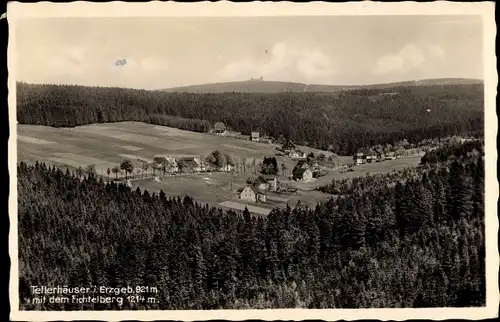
point(341, 122)
point(417, 243)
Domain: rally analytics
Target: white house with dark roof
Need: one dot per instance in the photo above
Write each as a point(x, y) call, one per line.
point(252, 193)
point(220, 128)
point(255, 136)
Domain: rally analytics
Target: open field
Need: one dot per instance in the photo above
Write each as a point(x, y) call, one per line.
point(239, 206)
point(110, 143)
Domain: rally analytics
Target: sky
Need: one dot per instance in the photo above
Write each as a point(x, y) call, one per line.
point(167, 52)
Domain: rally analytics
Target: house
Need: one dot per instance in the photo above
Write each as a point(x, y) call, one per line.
point(370, 158)
point(364, 155)
point(359, 158)
point(255, 136)
point(288, 146)
point(302, 175)
point(266, 139)
point(166, 162)
point(191, 164)
point(220, 128)
point(227, 168)
point(297, 155)
point(271, 181)
point(252, 193)
point(390, 156)
point(262, 184)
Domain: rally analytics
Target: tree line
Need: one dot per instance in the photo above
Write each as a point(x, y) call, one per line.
point(341, 122)
point(416, 243)
point(465, 150)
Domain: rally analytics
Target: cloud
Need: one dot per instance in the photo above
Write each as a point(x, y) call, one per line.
point(407, 59)
point(314, 63)
point(282, 61)
point(436, 52)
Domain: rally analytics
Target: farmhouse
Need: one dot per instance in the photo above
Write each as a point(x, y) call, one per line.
point(268, 182)
point(262, 184)
point(226, 168)
point(288, 146)
point(297, 155)
point(166, 162)
point(390, 156)
point(301, 174)
point(220, 128)
point(364, 156)
point(252, 193)
point(255, 136)
point(191, 164)
point(266, 139)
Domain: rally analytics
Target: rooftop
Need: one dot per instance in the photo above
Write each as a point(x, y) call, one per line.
point(268, 177)
point(219, 126)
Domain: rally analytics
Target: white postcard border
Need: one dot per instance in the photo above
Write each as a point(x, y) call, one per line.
point(18, 10)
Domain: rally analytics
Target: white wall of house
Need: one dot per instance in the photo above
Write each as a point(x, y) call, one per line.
point(262, 197)
point(307, 175)
point(248, 194)
point(264, 186)
point(273, 184)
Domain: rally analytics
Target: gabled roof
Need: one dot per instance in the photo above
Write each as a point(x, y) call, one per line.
point(255, 189)
point(255, 134)
point(288, 145)
point(261, 179)
point(365, 151)
point(268, 177)
point(300, 172)
point(165, 159)
point(219, 126)
point(189, 162)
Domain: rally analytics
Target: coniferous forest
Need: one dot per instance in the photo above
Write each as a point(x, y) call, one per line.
point(418, 242)
point(341, 122)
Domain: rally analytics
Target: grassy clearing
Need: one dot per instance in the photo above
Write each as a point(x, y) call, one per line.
point(27, 139)
point(107, 141)
point(131, 148)
point(238, 206)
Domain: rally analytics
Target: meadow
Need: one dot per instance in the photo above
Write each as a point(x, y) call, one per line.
point(106, 145)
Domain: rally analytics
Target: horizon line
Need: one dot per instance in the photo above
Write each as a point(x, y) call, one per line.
point(260, 80)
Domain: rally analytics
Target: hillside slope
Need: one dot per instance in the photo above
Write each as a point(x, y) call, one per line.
point(258, 86)
point(341, 122)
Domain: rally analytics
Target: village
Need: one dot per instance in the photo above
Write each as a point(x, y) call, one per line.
point(222, 168)
point(268, 178)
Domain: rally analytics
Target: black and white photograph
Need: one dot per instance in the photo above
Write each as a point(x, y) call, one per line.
point(252, 159)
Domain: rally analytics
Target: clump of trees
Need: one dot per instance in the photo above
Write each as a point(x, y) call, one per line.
point(270, 166)
point(460, 151)
point(219, 160)
point(127, 167)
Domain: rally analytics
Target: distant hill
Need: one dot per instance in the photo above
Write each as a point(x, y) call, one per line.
point(259, 86)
